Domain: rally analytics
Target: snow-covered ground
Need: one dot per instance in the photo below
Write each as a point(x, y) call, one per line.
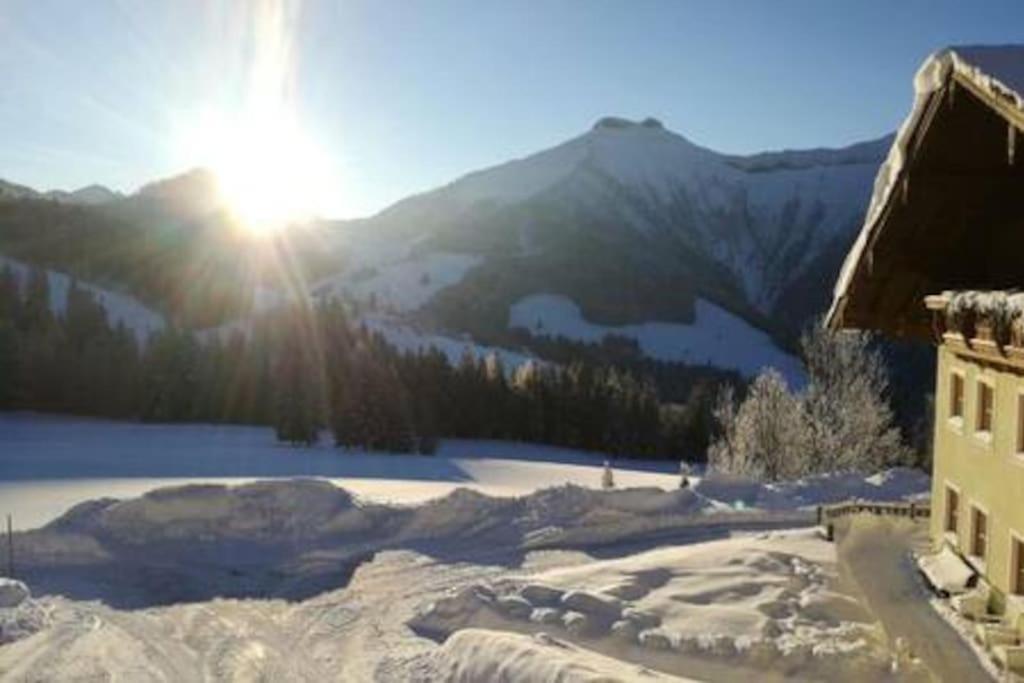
point(716, 337)
point(402, 286)
point(406, 337)
point(769, 604)
point(487, 562)
point(48, 464)
point(449, 590)
point(120, 308)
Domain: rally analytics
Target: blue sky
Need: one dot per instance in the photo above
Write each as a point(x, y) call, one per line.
point(402, 96)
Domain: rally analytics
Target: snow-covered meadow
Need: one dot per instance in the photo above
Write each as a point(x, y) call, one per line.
point(48, 464)
point(487, 561)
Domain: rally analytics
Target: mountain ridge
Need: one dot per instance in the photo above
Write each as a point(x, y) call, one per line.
point(630, 221)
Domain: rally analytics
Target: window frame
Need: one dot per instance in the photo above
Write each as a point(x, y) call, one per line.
point(1018, 440)
point(981, 386)
point(976, 511)
point(957, 378)
point(1016, 573)
point(955, 531)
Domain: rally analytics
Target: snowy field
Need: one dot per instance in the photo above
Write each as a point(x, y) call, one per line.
point(488, 562)
point(48, 464)
point(295, 580)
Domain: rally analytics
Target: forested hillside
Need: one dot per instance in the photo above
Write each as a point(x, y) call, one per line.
point(303, 369)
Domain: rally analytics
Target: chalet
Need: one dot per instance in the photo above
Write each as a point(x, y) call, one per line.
point(941, 258)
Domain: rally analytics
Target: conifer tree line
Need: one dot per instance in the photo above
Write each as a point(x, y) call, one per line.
point(305, 369)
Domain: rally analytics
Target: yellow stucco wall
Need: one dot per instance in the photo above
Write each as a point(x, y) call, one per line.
point(987, 472)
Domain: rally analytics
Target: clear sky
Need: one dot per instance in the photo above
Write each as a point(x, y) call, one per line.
point(396, 97)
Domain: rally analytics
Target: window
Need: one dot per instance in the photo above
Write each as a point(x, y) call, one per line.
point(1017, 566)
point(952, 509)
point(979, 533)
point(956, 395)
point(1020, 424)
point(983, 420)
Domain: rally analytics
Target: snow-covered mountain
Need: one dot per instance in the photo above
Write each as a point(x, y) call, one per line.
point(634, 224)
point(632, 230)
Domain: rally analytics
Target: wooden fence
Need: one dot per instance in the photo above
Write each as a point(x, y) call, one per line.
point(828, 514)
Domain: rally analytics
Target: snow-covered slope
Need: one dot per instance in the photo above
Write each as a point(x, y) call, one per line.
point(408, 338)
point(634, 227)
point(716, 337)
point(120, 308)
point(400, 286)
point(765, 218)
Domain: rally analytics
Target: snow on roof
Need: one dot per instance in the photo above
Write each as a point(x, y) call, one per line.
point(997, 70)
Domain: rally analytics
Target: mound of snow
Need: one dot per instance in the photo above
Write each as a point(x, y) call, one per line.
point(755, 601)
point(716, 337)
point(900, 483)
point(22, 621)
point(474, 655)
point(20, 616)
point(896, 484)
point(12, 593)
point(281, 512)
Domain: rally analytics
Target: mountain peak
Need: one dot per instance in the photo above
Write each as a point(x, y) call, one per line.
point(195, 192)
point(619, 123)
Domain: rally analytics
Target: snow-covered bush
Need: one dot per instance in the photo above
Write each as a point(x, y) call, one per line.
point(841, 420)
point(847, 403)
point(761, 437)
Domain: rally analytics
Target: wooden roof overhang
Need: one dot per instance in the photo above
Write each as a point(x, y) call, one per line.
point(955, 219)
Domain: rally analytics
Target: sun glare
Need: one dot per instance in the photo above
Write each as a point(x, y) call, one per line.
point(270, 175)
point(270, 170)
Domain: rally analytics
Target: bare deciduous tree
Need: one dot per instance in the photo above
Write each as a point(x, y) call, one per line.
point(841, 420)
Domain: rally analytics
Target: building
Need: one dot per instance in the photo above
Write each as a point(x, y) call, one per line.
point(941, 257)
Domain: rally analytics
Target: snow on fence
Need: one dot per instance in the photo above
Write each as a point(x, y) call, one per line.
point(828, 514)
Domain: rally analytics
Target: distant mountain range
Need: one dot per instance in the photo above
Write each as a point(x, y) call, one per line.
point(88, 195)
point(622, 228)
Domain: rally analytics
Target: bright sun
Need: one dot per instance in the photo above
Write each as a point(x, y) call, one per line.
point(270, 170)
point(269, 174)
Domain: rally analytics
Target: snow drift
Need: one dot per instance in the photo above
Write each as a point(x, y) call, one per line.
point(296, 538)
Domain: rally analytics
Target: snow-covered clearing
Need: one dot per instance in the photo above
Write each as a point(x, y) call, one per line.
point(393, 568)
point(48, 464)
point(402, 286)
point(716, 337)
point(770, 604)
point(455, 593)
point(407, 337)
